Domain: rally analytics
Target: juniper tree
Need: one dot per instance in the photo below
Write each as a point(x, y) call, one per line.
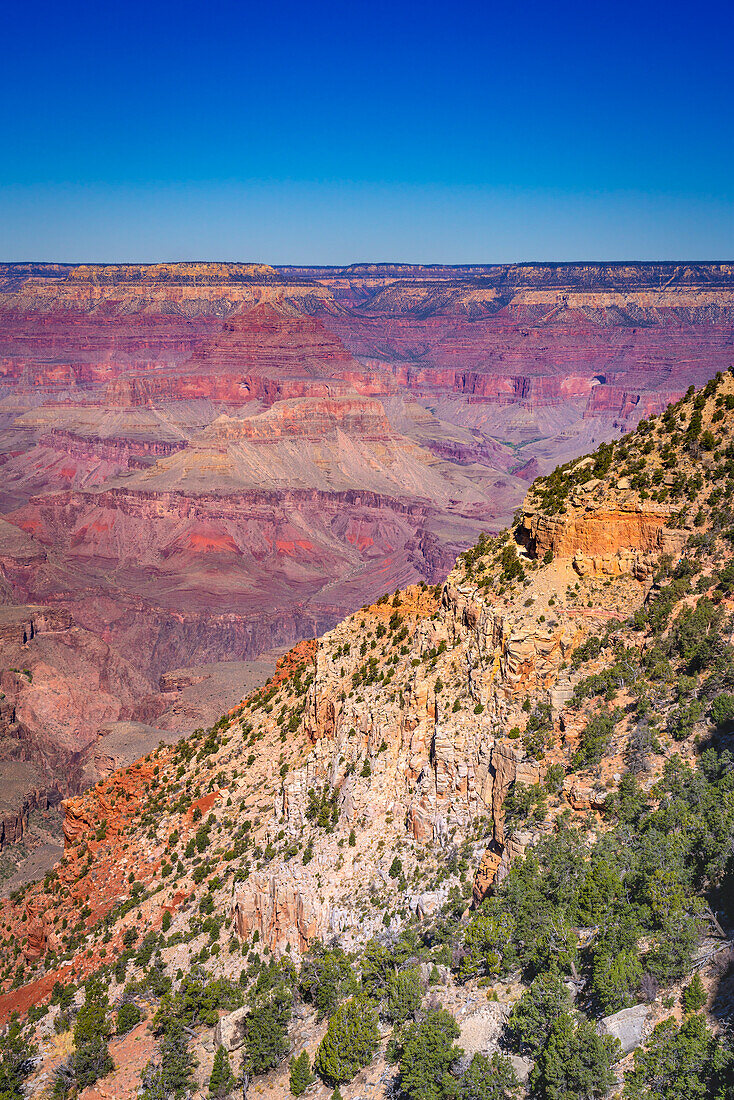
point(300, 1076)
point(92, 1058)
point(221, 1081)
point(351, 1040)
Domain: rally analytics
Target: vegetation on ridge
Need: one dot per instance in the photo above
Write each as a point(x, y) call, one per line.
point(617, 886)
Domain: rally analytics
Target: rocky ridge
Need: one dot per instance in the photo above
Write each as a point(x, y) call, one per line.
point(405, 734)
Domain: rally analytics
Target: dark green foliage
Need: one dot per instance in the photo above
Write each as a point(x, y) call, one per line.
point(146, 949)
point(531, 1019)
point(489, 1079)
point(323, 809)
point(595, 738)
point(526, 802)
point(682, 719)
point(198, 1001)
point(487, 939)
point(695, 637)
point(616, 979)
point(300, 1075)
point(396, 868)
point(641, 881)
point(326, 978)
point(427, 1057)
point(349, 1044)
point(378, 963)
point(266, 1030)
point(92, 1030)
point(694, 995)
point(222, 1081)
point(404, 995)
point(681, 1063)
point(172, 1076)
point(128, 1016)
point(16, 1062)
point(587, 651)
point(721, 711)
point(575, 1062)
point(538, 731)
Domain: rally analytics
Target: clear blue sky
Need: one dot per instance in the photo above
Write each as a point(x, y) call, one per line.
point(336, 132)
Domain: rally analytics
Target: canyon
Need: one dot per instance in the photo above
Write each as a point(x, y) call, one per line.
point(432, 768)
point(202, 464)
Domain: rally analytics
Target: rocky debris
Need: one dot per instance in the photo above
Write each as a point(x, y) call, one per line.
point(582, 796)
point(427, 903)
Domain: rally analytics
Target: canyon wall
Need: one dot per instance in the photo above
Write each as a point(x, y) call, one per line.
point(200, 462)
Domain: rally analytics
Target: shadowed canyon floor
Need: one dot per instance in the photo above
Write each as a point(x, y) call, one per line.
point(204, 462)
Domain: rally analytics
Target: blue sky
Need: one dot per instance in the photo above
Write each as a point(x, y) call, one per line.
point(339, 132)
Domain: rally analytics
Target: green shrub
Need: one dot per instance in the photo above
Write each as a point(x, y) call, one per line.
point(128, 1016)
point(694, 995)
point(721, 711)
point(489, 1079)
point(266, 1030)
point(404, 995)
point(427, 1057)
point(575, 1062)
point(222, 1081)
point(92, 1058)
point(531, 1019)
point(680, 1063)
point(326, 978)
point(300, 1075)
point(349, 1044)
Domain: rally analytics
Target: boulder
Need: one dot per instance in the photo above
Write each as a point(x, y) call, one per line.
point(628, 1026)
point(230, 1030)
point(522, 1067)
point(482, 1029)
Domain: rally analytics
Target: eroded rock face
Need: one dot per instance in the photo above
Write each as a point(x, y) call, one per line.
point(507, 658)
point(241, 455)
point(595, 533)
point(281, 911)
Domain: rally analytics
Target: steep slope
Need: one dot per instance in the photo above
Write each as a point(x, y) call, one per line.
point(135, 406)
point(542, 738)
point(308, 507)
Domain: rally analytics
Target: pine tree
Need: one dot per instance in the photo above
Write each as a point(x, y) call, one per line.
point(222, 1079)
point(575, 1062)
point(351, 1039)
point(92, 1054)
point(266, 1035)
point(681, 1063)
point(489, 1079)
point(694, 994)
point(177, 1062)
point(301, 1076)
point(404, 995)
point(427, 1057)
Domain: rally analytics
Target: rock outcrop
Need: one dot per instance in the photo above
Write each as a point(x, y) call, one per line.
point(204, 461)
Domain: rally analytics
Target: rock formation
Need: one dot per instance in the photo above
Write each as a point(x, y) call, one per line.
point(204, 461)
